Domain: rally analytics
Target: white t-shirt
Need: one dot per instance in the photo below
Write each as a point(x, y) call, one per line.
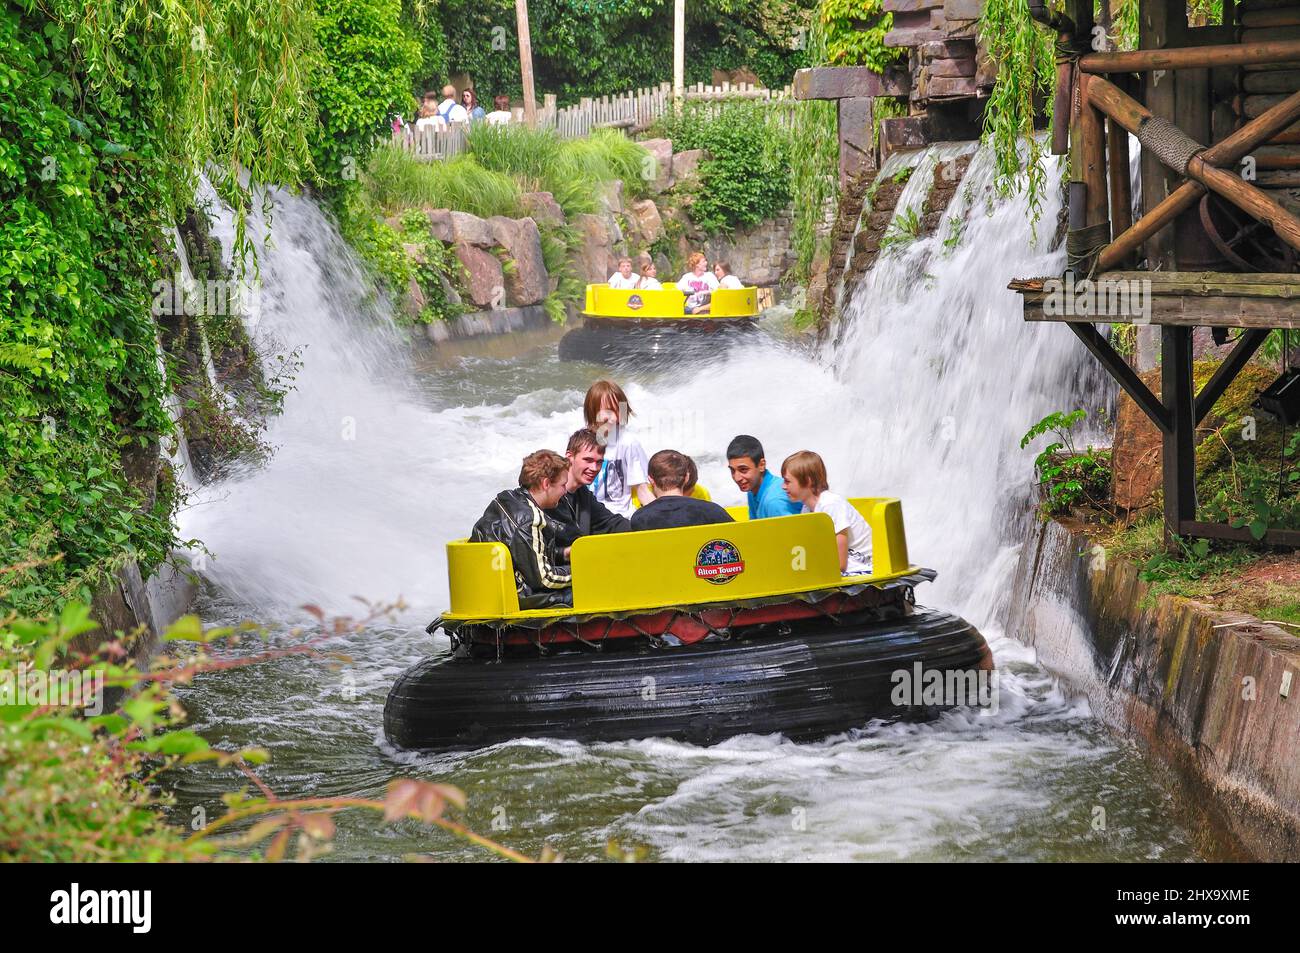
point(437, 122)
point(691, 285)
point(625, 466)
point(845, 516)
point(616, 280)
point(650, 284)
point(731, 281)
point(498, 117)
point(452, 111)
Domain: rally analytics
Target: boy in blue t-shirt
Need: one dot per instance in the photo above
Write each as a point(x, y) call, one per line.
point(748, 468)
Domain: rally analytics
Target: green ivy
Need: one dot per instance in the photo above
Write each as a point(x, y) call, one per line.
point(855, 34)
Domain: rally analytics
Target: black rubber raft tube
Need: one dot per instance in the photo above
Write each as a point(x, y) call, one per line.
point(810, 683)
point(617, 341)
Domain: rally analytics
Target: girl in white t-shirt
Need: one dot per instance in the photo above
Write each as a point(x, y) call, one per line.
point(626, 466)
point(722, 271)
point(649, 278)
point(698, 284)
point(804, 476)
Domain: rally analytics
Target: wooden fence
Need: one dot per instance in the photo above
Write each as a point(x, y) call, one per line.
point(633, 112)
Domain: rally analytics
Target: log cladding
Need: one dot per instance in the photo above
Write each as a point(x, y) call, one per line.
point(1276, 166)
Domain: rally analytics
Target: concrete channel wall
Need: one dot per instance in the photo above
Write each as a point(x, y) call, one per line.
point(1212, 697)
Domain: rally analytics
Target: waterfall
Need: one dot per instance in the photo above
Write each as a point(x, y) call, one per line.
point(944, 377)
point(378, 462)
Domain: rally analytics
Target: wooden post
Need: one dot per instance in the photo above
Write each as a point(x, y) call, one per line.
point(526, 63)
point(1065, 73)
point(1121, 181)
point(1178, 442)
point(679, 49)
point(1094, 157)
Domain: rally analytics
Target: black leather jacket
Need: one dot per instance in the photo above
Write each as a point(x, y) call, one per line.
point(579, 514)
point(541, 573)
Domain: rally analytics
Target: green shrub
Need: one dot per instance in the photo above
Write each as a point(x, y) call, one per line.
point(363, 78)
point(745, 178)
point(1067, 476)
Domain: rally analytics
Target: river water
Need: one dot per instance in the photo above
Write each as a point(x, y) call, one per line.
point(384, 452)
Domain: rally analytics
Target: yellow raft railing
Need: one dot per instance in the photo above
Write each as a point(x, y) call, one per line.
point(668, 303)
point(624, 572)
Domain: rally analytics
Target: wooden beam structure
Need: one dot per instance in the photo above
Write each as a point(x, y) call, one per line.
point(1197, 57)
point(1214, 388)
point(1178, 443)
point(1201, 101)
point(1124, 375)
point(1228, 152)
point(1185, 299)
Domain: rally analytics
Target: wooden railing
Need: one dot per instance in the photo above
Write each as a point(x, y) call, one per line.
point(633, 111)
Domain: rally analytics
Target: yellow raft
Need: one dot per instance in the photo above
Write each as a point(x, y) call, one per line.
point(620, 325)
point(697, 633)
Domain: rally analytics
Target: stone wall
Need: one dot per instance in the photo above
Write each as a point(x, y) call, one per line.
point(1213, 697)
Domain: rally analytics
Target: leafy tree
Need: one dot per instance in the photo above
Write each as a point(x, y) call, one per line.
point(361, 83)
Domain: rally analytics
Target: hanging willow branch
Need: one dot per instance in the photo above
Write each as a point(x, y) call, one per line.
point(233, 79)
point(1025, 56)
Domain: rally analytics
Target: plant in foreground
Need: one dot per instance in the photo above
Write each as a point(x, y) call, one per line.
point(77, 781)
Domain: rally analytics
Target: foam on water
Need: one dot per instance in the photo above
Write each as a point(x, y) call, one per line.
point(379, 462)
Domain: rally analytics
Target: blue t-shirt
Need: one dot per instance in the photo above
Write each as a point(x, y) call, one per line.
point(770, 499)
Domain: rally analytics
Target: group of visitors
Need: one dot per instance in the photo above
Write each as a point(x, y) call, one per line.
point(441, 114)
point(590, 488)
point(698, 283)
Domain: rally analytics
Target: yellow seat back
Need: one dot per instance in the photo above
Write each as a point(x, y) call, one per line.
point(482, 579)
point(606, 302)
point(884, 515)
point(722, 562)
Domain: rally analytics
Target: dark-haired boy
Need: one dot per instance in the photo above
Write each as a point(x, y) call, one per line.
point(748, 468)
point(672, 478)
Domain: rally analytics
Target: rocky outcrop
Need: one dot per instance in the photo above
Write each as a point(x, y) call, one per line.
point(483, 274)
point(602, 244)
point(526, 280)
point(542, 208)
point(661, 152)
point(645, 224)
point(759, 255)
point(459, 228)
point(686, 166)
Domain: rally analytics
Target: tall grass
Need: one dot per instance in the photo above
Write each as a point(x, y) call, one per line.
point(396, 180)
point(573, 170)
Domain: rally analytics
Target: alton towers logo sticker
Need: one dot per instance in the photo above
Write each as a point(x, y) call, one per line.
point(635, 302)
point(718, 562)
